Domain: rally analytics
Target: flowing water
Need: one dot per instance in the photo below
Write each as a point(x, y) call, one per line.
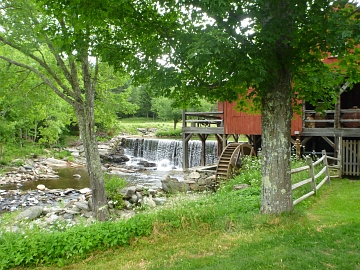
point(165, 154)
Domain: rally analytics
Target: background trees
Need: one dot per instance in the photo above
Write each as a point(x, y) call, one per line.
point(56, 44)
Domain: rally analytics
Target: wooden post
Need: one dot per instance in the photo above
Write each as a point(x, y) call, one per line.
point(340, 156)
point(203, 138)
point(323, 152)
point(311, 174)
point(337, 114)
point(224, 141)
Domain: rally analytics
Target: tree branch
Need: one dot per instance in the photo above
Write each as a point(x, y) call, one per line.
point(41, 63)
point(45, 79)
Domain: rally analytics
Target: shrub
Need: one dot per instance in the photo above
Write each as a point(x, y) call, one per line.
point(113, 184)
point(34, 247)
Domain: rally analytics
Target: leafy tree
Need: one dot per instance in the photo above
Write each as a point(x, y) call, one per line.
point(141, 97)
point(165, 110)
point(60, 45)
point(27, 105)
point(275, 48)
point(112, 97)
point(221, 49)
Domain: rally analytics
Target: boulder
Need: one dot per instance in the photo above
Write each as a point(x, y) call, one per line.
point(173, 185)
point(30, 213)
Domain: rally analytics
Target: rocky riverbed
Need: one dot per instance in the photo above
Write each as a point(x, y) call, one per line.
point(51, 206)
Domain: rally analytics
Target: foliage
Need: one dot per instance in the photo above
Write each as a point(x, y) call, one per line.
point(34, 247)
point(250, 171)
point(59, 49)
point(13, 152)
point(294, 241)
point(113, 185)
point(141, 97)
point(169, 133)
point(165, 110)
point(61, 154)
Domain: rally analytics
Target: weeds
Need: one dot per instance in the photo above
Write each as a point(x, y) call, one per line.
point(113, 184)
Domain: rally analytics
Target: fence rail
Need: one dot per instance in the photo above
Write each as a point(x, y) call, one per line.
point(318, 179)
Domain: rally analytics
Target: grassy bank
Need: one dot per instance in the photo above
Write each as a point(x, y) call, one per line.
point(225, 231)
point(163, 128)
point(323, 234)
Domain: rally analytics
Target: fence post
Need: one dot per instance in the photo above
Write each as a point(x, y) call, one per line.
point(311, 174)
point(340, 153)
point(323, 152)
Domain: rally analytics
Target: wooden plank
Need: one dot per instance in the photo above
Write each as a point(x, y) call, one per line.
point(300, 169)
point(303, 197)
point(322, 182)
point(319, 160)
point(328, 141)
point(204, 130)
point(301, 183)
point(204, 121)
point(200, 113)
point(340, 132)
point(320, 173)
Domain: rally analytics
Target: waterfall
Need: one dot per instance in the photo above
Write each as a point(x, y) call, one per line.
point(163, 150)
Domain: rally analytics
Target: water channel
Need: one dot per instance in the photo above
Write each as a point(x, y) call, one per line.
point(165, 153)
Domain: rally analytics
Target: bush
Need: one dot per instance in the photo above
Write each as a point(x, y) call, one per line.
point(113, 184)
point(34, 247)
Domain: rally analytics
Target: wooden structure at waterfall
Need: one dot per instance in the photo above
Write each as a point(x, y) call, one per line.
point(336, 131)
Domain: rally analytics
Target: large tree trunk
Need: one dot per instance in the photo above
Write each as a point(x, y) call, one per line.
point(93, 163)
point(276, 144)
point(84, 110)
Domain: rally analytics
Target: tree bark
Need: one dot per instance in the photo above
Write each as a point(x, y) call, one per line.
point(276, 146)
point(85, 115)
point(93, 162)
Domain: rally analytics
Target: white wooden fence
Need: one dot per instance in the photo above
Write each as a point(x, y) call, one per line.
point(316, 180)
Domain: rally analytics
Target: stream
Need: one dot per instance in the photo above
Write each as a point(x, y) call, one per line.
point(165, 154)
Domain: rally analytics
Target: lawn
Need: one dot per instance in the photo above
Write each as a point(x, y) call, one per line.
point(322, 233)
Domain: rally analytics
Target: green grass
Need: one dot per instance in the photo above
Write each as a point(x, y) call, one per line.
point(130, 125)
point(321, 234)
point(206, 231)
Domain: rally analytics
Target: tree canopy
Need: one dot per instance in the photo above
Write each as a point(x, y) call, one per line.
point(270, 52)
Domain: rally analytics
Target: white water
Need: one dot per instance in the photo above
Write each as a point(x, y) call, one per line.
point(167, 154)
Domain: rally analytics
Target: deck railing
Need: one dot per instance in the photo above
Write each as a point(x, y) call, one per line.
point(203, 119)
point(346, 118)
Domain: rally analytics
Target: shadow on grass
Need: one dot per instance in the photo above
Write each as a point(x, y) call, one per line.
point(308, 248)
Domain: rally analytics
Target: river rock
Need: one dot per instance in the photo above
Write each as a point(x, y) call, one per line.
point(82, 205)
point(173, 185)
point(41, 187)
point(240, 186)
point(53, 162)
point(148, 201)
point(115, 158)
point(128, 192)
point(85, 190)
point(194, 175)
point(160, 201)
point(30, 213)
